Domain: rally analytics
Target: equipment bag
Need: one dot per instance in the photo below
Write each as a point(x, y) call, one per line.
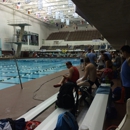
point(116, 94)
point(65, 98)
point(87, 97)
point(31, 125)
point(66, 121)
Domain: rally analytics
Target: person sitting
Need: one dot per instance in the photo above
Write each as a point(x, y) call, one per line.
point(73, 75)
point(100, 61)
point(106, 74)
point(117, 62)
point(89, 77)
point(108, 64)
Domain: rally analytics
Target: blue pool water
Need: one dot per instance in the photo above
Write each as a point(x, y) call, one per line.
point(30, 69)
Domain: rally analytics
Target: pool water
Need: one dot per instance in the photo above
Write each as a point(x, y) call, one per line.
point(30, 69)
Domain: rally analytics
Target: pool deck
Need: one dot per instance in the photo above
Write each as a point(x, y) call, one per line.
point(15, 101)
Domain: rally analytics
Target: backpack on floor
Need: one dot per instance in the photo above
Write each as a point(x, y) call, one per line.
point(31, 125)
point(65, 98)
point(66, 121)
point(116, 94)
point(87, 97)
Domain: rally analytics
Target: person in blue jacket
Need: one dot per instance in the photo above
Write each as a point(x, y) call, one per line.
point(125, 70)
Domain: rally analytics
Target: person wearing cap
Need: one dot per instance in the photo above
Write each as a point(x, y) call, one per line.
point(73, 75)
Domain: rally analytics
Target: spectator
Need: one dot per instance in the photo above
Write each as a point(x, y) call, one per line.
point(109, 55)
point(117, 62)
point(82, 56)
point(92, 57)
point(108, 66)
point(100, 61)
point(125, 70)
point(89, 77)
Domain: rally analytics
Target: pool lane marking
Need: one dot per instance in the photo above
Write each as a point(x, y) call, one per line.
point(30, 73)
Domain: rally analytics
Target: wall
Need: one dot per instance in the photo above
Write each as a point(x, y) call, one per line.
point(9, 31)
point(71, 43)
point(72, 28)
point(37, 26)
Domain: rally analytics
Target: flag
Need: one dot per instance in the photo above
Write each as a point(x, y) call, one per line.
point(29, 11)
point(18, 5)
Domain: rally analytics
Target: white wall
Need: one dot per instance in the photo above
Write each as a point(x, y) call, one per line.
point(71, 43)
point(8, 31)
point(71, 28)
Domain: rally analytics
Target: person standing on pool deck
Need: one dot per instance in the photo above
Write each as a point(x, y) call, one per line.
point(125, 70)
point(73, 75)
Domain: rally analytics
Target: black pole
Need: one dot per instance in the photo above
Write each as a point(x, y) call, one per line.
point(17, 68)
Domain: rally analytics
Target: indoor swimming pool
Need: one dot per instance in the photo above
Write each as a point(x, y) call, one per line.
point(30, 69)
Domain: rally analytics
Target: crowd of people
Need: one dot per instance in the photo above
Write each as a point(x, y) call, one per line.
point(102, 68)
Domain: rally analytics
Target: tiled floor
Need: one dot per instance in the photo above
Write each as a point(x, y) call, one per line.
point(15, 101)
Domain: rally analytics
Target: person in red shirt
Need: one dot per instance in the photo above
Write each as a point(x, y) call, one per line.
point(73, 75)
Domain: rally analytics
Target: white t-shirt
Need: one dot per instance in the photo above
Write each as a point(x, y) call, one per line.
point(100, 61)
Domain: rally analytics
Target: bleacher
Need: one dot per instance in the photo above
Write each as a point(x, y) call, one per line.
point(75, 36)
point(58, 36)
point(91, 116)
point(53, 47)
point(84, 35)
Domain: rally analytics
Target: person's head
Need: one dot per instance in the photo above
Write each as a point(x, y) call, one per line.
point(125, 51)
point(105, 57)
point(92, 51)
point(89, 50)
point(101, 52)
point(68, 64)
point(86, 60)
point(116, 52)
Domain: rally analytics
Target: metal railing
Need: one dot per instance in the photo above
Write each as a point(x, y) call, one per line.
point(17, 21)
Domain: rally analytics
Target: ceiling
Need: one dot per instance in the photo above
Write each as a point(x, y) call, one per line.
point(110, 17)
point(48, 11)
